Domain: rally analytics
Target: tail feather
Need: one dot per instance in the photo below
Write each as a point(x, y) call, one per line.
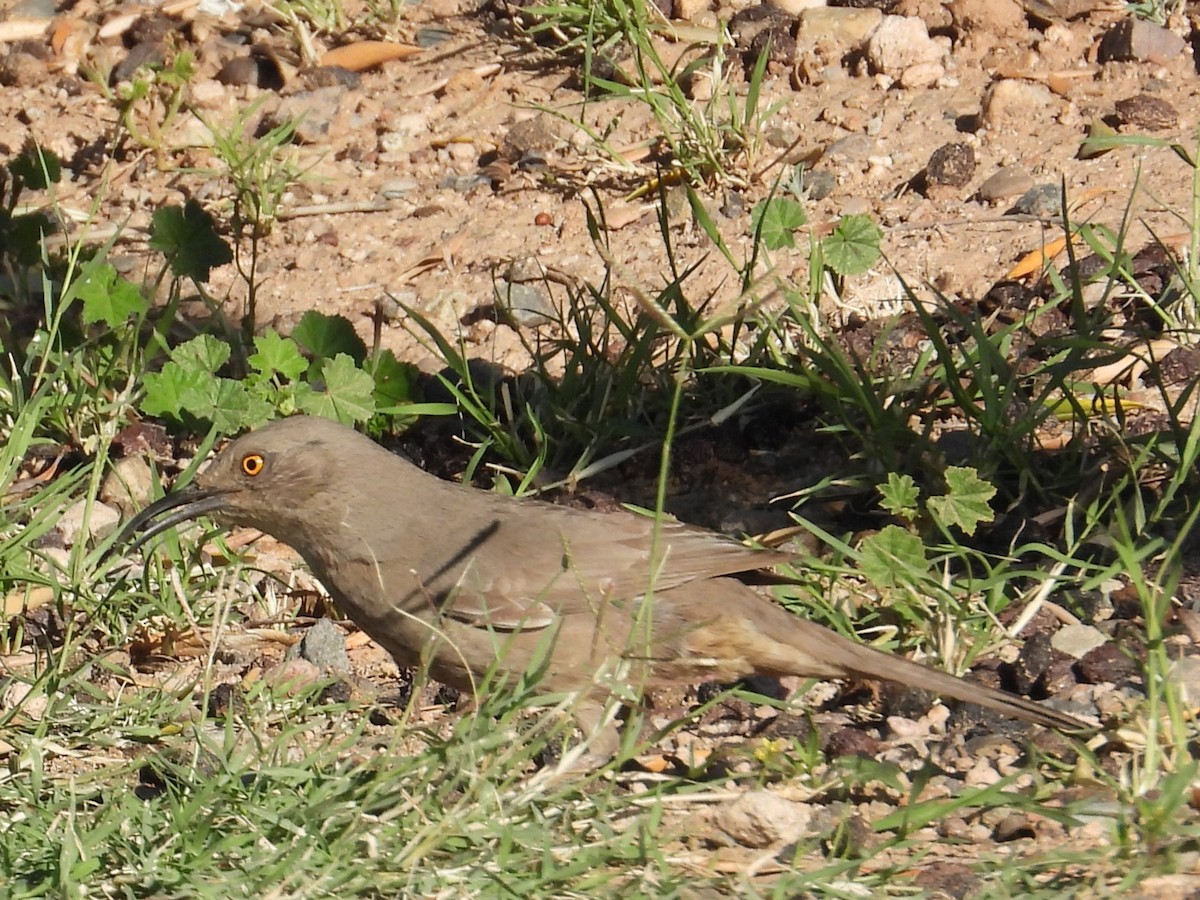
point(858, 660)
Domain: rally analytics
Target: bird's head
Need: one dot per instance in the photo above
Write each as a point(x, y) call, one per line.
point(263, 480)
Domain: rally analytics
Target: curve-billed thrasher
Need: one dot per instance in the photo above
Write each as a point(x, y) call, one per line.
point(470, 580)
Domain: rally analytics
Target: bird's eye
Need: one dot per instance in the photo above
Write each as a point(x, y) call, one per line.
point(252, 464)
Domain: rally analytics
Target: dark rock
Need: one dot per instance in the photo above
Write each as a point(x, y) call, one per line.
point(947, 879)
point(1107, 663)
point(1034, 659)
point(951, 165)
point(1137, 39)
point(1147, 111)
point(225, 700)
point(851, 742)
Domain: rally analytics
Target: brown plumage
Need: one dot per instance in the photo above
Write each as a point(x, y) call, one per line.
point(468, 580)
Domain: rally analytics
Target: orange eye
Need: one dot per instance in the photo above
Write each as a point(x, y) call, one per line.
point(252, 464)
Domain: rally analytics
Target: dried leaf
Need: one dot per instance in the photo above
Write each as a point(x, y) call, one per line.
point(1033, 262)
point(367, 54)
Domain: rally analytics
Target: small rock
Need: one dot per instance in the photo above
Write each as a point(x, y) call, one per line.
point(101, 521)
point(128, 484)
point(1009, 182)
point(690, 10)
point(324, 646)
point(819, 184)
point(433, 37)
point(226, 700)
point(528, 304)
point(904, 700)
point(525, 270)
point(839, 26)
point(921, 75)
point(338, 692)
point(795, 7)
point(314, 112)
point(31, 702)
point(530, 136)
point(851, 837)
point(1107, 663)
point(1014, 827)
point(734, 204)
point(779, 44)
point(464, 184)
point(1059, 676)
point(752, 28)
point(1014, 99)
point(1146, 111)
point(1181, 366)
point(851, 742)
point(1077, 640)
point(763, 819)
point(57, 558)
point(1137, 39)
point(396, 188)
point(146, 53)
point(857, 206)
point(25, 65)
point(1043, 200)
point(240, 70)
point(292, 675)
point(788, 726)
point(948, 879)
point(985, 20)
point(951, 165)
point(205, 93)
point(321, 77)
point(853, 147)
point(900, 42)
point(1031, 664)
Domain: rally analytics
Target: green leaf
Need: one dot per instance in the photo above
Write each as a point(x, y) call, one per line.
point(394, 380)
point(277, 355)
point(893, 557)
point(348, 396)
point(107, 297)
point(900, 496)
point(166, 390)
point(230, 405)
point(326, 336)
point(967, 500)
point(204, 354)
point(854, 245)
point(188, 237)
point(775, 220)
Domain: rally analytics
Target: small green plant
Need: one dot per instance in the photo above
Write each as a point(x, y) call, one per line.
point(336, 381)
point(308, 17)
point(711, 141)
point(852, 247)
point(775, 220)
point(259, 169)
point(895, 554)
point(150, 102)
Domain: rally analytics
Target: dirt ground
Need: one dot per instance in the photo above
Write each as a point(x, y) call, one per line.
point(429, 177)
point(434, 179)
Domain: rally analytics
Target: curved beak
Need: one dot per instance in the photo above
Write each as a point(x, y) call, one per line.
point(174, 508)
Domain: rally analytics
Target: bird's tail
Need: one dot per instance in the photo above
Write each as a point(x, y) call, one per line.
point(795, 637)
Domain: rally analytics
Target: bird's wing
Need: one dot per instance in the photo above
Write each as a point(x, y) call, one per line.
point(584, 561)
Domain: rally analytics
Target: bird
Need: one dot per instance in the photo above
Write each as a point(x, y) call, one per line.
point(467, 581)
